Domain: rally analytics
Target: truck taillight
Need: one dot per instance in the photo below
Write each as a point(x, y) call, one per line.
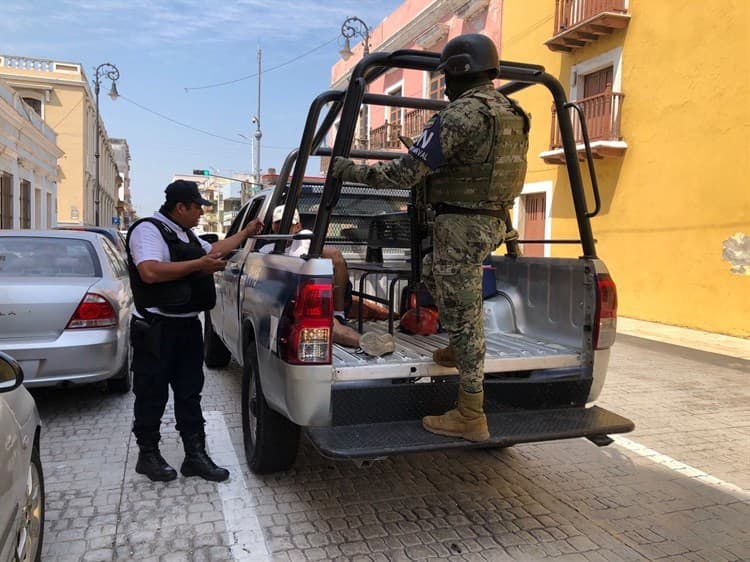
point(605, 322)
point(305, 332)
point(94, 311)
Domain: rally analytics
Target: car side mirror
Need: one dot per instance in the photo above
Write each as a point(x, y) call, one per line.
point(209, 237)
point(11, 373)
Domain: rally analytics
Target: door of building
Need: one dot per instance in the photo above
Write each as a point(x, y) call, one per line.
point(535, 212)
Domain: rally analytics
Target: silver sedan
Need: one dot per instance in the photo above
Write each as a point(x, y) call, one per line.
point(21, 476)
point(65, 306)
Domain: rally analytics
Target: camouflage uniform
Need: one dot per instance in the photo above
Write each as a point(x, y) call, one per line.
point(480, 130)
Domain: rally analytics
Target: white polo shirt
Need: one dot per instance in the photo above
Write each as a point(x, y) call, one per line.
point(147, 243)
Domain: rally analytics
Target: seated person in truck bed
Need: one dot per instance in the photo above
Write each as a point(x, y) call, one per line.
point(372, 344)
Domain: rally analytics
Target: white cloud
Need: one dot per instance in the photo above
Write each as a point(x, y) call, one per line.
point(157, 23)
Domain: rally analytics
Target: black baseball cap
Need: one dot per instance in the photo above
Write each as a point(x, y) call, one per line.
point(184, 191)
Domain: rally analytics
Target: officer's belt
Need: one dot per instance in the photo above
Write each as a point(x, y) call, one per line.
point(445, 209)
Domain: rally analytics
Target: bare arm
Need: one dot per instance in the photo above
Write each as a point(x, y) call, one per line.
point(223, 247)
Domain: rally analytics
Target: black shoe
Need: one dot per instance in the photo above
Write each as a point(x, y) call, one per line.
point(152, 464)
point(198, 463)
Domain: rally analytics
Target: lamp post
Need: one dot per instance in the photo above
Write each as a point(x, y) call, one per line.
point(110, 71)
point(348, 30)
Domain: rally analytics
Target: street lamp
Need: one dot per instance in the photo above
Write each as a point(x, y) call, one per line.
point(110, 71)
point(348, 30)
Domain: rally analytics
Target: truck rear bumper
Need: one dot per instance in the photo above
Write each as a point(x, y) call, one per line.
point(372, 440)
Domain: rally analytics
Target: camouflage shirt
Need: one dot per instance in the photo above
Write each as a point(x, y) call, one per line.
point(460, 134)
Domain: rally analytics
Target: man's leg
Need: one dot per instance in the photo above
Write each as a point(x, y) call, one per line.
point(187, 384)
point(461, 243)
point(151, 389)
point(340, 277)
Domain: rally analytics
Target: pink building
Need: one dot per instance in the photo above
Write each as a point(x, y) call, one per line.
point(422, 25)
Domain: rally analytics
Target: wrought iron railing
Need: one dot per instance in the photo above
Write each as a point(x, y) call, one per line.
point(572, 12)
point(602, 113)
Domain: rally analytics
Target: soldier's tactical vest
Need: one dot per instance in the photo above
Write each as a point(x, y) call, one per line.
point(189, 294)
point(499, 179)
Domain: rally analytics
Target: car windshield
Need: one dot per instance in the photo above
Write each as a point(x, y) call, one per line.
point(27, 256)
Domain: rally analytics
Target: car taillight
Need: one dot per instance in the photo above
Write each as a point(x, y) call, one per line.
point(93, 312)
point(305, 332)
point(605, 321)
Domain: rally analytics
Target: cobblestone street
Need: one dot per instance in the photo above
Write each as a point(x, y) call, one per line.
point(678, 488)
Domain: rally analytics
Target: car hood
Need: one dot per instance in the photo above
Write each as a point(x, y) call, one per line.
point(39, 308)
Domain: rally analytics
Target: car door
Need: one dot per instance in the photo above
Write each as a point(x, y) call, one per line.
point(217, 312)
point(231, 281)
point(13, 469)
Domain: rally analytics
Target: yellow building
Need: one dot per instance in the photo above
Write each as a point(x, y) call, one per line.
point(666, 92)
point(59, 92)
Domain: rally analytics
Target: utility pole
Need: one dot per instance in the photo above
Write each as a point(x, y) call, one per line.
point(258, 134)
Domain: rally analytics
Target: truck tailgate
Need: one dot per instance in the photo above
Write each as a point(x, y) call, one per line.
point(506, 428)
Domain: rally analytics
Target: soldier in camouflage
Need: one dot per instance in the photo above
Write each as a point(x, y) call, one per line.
point(472, 158)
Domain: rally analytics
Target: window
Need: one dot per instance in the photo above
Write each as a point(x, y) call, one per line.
point(437, 85)
point(115, 259)
point(34, 104)
point(6, 200)
point(598, 82)
point(25, 204)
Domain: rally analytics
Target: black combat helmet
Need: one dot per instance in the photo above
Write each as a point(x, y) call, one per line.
point(469, 54)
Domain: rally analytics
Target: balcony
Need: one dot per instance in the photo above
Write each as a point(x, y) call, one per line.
point(386, 136)
point(578, 22)
point(602, 113)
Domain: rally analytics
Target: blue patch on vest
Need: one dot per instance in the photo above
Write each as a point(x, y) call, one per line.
point(427, 148)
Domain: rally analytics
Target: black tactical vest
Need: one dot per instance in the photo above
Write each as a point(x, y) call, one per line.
point(189, 294)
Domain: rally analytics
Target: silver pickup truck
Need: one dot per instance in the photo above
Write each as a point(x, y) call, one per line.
point(549, 322)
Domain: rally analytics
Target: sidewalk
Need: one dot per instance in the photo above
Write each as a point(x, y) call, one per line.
point(695, 339)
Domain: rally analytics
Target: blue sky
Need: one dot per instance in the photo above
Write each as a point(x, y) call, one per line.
point(162, 47)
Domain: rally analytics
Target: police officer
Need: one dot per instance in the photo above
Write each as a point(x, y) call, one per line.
point(171, 279)
point(472, 158)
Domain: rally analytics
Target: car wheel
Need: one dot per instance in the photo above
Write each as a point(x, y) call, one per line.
point(31, 533)
point(271, 440)
point(215, 353)
point(122, 382)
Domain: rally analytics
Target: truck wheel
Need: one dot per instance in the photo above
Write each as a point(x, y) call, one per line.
point(271, 440)
point(215, 353)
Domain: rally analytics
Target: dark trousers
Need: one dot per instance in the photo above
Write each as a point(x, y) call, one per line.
point(168, 353)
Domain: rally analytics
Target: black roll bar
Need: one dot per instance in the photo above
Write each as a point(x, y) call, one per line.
point(519, 75)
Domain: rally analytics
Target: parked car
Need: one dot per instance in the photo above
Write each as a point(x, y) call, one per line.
point(114, 235)
point(65, 307)
point(21, 476)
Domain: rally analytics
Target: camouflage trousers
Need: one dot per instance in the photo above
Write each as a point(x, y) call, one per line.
point(453, 274)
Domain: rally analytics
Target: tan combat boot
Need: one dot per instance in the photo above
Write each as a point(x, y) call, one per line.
point(445, 356)
point(467, 420)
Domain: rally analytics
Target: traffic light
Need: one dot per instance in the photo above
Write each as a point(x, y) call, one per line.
point(201, 173)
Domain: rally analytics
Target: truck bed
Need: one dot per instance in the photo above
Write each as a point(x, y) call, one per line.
point(506, 352)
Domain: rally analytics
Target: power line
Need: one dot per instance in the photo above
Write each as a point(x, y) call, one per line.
point(144, 108)
point(240, 79)
point(181, 124)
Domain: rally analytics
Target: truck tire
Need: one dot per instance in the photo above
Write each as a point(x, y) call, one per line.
point(215, 353)
point(271, 440)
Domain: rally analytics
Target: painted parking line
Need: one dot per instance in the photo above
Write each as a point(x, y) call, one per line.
point(681, 468)
point(240, 517)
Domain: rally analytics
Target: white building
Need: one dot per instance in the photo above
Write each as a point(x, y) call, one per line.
point(28, 165)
